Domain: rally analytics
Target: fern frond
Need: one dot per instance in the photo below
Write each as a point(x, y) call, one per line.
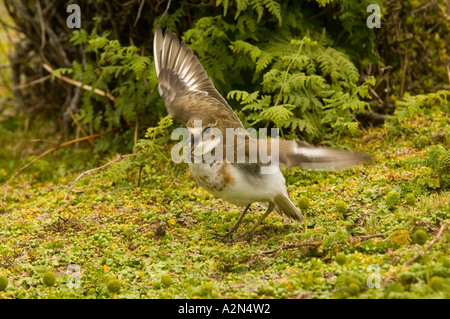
point(279, 114)
point(274, 8)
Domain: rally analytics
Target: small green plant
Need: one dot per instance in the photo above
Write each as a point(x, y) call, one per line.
point(166, 280)
point(410, 199)
point(303, 204)
point(420, 237)
point(399, 237)
point(436, 283)
point(341, 259)
point(353, 289)
point(341, 207)
point(422, 141)
point(49, 278)
point(349, 284)
point(113, 285)
point(412, 105)
point(3, 282)
point(392, 198)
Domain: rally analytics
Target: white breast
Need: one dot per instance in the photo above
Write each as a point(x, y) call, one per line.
point(243, 188)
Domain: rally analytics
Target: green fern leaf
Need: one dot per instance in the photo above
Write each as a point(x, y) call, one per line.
point(279, 114)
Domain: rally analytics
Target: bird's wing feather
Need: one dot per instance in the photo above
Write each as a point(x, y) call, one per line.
point(300, 154)
point(184, 85)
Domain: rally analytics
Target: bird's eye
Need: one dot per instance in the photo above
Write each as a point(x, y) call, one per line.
point(207, 130)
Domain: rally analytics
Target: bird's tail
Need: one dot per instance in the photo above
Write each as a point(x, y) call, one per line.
point(284, 206)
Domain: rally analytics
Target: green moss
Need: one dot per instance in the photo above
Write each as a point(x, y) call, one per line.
point(3, 282)
point(410, 199)
point(353, 289)
point(420, 237)
point(341, 259)
point(113, 285)
point(437, 283)
point(166, 280)
point(422, 141)
point(49, 278)
point(117, 234)
point(392, 198)
point(303, 203)
point(341, 207)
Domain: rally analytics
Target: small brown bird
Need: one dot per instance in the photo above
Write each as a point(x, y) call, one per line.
point(191, 98)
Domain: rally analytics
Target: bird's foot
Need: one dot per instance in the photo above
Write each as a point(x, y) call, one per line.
point(227, 235)
point(228, 238)
point(223, 236)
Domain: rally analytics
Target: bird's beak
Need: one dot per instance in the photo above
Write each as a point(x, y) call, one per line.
point(193, 142)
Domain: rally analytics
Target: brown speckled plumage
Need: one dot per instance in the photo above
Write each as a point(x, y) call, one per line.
point(189, 96)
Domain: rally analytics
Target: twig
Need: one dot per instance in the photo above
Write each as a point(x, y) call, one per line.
point(136, 130)
point(79, 125)
point(139, 12)
point(402, 83)
point(86, 87)
point(367, 237)
point(376, 95)
point(116, 159)
point(79, 84)
point(432, 242)
point(448, 73)
point(42, 23)
point(31, 83)
point(165, 11)
point(51, 151)
point(313, 244)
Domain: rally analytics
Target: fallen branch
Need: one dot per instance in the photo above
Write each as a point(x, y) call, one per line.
point(83, 86)
point(116, 159)
point(51, 151)
point(79, 84)
point(31, 83)
point(432, 242)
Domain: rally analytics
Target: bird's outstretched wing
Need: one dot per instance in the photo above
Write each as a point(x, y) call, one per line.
point(188, 94)
point(185, 87)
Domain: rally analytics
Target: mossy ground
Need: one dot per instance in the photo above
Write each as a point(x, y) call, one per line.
point(109, 227)
point(164, 231)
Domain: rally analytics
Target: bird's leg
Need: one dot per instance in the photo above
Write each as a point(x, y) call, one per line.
point(249, 233)
point(236, 225)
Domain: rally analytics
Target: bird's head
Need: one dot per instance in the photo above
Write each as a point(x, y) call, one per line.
point(205, 136)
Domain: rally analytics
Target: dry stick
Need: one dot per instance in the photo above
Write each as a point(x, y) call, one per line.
point(421, 254)
point(367, 237)
point(136, 130)
point(79, 125)
point(42, 23)
point(448, 73)
point(139, 12)
point(317, 244)
point(79, 84)
point(52, 150)
point(31, 83)
point(118, 158)
point(167, 9)
point(402, 83)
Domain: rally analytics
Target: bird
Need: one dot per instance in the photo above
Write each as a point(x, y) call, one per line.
point(191, 98)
